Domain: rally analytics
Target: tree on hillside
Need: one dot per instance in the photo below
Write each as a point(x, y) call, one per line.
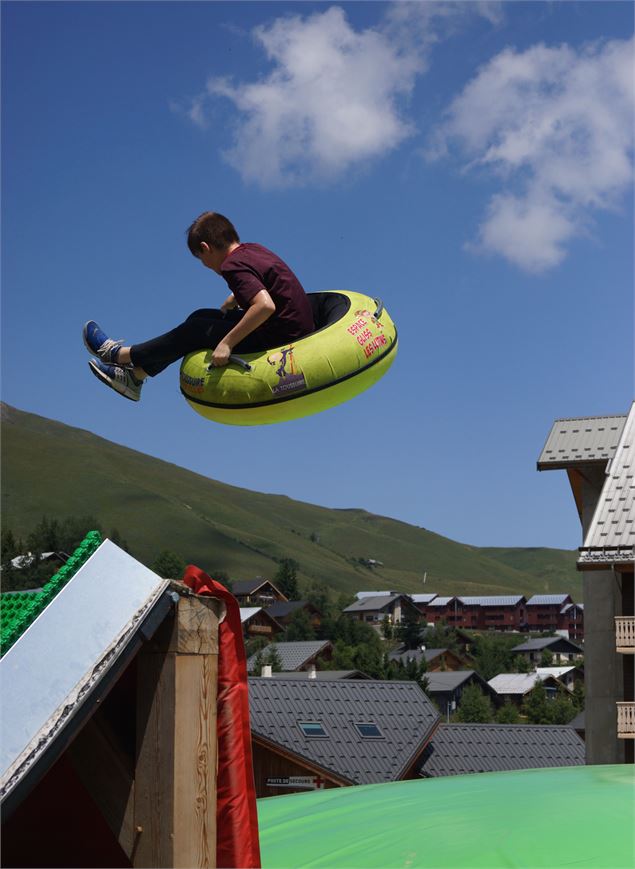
point(440, 636)
point(409, 631)
point(474, 707)
point(319, 595)
point(546, 658)
point(299, 627)
point(508, 713)
point(169, 565)
point(286, 578)
point(493, 654)
point(267, 656)
point(536, 705)
point(387, 629)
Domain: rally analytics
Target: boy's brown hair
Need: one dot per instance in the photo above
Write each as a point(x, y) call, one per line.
point(212, 228)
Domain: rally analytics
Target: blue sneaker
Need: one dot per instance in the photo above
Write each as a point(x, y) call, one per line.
point(99, 344)
point(122, 380)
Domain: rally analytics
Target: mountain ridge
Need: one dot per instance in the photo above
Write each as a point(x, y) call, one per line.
point(159, 505)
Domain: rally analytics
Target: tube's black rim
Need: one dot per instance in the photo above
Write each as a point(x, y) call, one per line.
point(284, 398)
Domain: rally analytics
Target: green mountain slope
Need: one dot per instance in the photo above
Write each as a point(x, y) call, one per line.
point(49, 468)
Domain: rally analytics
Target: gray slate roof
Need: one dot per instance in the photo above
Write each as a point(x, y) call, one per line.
point(281, 608)
point(458, 749)
point(377, 602)
point(611, 535)
point(294, 655)
point(323, 675)
point(577, 441)
point(406, 655)
point(547, 599)
point(492, 600)
point(422, 598)
point(246, 586)
point(441, 681)
point(539, 643)
point(403, 713)
point(440, 601)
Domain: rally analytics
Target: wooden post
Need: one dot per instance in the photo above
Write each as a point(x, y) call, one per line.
point(175, 775)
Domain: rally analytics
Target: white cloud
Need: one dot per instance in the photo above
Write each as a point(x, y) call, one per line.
point(556, 126)
point(331, 100)
point(335, 97)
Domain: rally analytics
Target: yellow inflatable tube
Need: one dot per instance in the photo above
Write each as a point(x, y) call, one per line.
point(354, 344)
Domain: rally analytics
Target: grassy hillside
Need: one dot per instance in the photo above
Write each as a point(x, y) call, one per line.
point(54, 469)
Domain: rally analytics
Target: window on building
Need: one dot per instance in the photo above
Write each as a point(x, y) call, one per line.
point(312, 728)
point(369, 731)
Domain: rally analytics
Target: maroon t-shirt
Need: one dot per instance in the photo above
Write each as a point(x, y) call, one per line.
point(250, 268)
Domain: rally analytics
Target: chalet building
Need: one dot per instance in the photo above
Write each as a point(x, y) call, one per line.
point(436, 659)
point(515, 687)
point(543, 611)
point(256, 592)
point(563, 651)
point(446, 688)
point(258, 622)
point(571, 620)
point(311, 734)
point(569, 676)
point(477, 612)
point(462, 749)
point(437, 610)
point(96, 743)
point(421, 601)
point(300, 655)
point(284, 610)
point(374, 609)
point(597, 454)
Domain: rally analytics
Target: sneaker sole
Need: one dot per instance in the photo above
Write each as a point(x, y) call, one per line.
point(100, 376)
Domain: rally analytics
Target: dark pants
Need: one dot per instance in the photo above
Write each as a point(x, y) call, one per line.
point(202, 330)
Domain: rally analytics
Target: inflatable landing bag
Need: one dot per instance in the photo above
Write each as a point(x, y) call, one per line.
point(354, 344)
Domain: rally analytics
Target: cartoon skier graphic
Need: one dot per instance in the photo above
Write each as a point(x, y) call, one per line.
point(288, 381)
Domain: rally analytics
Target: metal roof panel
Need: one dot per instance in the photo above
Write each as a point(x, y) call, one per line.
point(581, 440)
point(73, 641)
point(459, 749)
point(403, 713)
point(611, 535)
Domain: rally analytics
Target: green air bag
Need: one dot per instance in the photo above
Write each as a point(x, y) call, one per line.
point(568, 817)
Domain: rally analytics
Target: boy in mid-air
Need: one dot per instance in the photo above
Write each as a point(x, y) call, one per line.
point(267, 307)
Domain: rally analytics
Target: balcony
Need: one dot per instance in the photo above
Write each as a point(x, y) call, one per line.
point(625, 634)
point(626, 720)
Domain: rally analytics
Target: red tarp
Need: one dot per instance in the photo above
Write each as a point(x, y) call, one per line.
point(236, 816)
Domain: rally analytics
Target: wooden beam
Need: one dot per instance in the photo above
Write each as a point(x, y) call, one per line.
point(175, 775)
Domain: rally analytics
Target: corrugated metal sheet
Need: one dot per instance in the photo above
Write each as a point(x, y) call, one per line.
point(585, 439)
point(67, 650)
point(459, 749)
point(611, 535)
point(403, 713)
point(293, 655)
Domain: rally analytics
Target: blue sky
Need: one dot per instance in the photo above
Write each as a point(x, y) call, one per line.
point(472, 164)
